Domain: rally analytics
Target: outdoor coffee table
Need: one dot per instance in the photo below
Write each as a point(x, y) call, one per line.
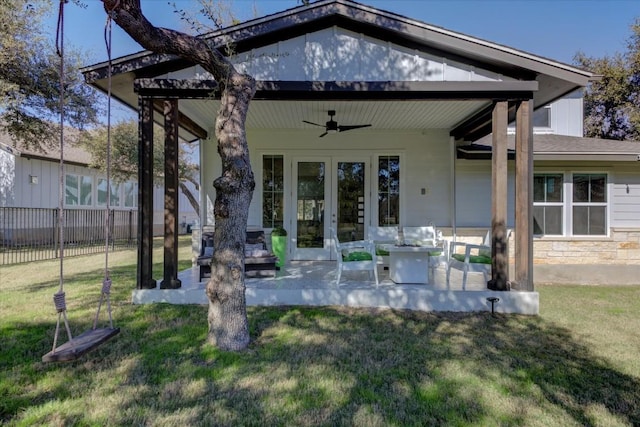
point(409, 264)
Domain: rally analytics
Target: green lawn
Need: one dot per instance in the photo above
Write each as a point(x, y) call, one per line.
point(576, 364)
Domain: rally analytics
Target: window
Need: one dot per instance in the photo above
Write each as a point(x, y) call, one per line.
point(589, 204)
point(388, 190)
point(584, 209)
point(272, 191)
point(78, 190)
point(542, 117)
point(130, 194)
point(102, 193)
point(547, 204)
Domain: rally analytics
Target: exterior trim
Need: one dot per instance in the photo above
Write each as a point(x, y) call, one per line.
point(285, 90)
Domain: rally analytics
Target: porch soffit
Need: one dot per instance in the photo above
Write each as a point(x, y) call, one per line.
point(386, 105)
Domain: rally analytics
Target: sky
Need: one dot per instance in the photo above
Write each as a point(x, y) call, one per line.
point(555, 29)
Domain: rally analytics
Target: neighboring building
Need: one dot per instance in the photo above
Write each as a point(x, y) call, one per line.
point(31, 179)
point(431, 97)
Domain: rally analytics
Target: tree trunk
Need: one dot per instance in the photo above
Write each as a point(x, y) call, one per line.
point(189, 195)
point(228, 325)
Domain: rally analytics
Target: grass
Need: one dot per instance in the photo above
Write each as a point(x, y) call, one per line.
point(576, 364)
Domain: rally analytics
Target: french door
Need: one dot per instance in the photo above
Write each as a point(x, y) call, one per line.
point(328, 192)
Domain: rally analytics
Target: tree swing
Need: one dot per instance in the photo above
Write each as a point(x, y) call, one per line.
point(76, 347)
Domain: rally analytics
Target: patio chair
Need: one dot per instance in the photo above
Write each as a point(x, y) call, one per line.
point(428, 236)
point(381, 237)
point(356, 255)
point(475, 259)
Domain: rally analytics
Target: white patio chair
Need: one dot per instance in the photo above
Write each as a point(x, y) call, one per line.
point(359, 255)
point(428, 236)
point(381, 237)
point(476, 258)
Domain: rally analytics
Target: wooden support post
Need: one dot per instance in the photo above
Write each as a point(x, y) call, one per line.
point(170, 280)
point(524, 197)
point(145, 194)
point(499, 177)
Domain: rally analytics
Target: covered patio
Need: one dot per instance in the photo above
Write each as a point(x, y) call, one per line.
point(416, 93)
point(312, 283)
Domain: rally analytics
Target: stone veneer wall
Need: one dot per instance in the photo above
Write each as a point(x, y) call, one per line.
point(622, 247)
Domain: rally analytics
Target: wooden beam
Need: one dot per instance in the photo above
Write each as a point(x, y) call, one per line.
point(524, 197)
point(499, 194)
point(183, 120)
point(145, 194)
point(368, 90)
point(171, 182)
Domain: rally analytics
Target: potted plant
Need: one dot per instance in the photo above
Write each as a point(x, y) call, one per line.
point(279, 245)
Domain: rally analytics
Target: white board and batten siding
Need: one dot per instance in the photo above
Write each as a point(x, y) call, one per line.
point(625, 195)
point(35, 183)
point(335, 54)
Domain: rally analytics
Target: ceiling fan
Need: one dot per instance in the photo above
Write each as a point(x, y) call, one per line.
point(332, 126)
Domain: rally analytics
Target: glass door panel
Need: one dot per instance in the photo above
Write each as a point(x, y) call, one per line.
point(351, 200)
point(311, 237)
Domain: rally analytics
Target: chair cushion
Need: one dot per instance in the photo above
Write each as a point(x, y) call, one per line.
point(256, 253)
point(208, 251)
point(436, 253)
point(381, 251)
point(357, 256)
point(473, 259)
point(485, 252)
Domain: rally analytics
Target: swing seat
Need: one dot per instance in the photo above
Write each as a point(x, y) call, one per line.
point(80, 345)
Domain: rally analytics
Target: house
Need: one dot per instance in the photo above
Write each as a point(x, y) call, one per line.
point(30, 182)
point(364, 118)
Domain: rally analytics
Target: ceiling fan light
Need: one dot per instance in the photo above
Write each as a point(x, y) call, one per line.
point(332, 130)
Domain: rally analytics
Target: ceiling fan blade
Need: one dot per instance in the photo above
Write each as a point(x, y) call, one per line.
point(311, 123)
point(323, 134)
point(351, 127)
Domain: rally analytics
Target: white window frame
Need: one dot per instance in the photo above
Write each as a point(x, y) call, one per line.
point(375, 214)
point(117, 193)
point(261, 189)
point(79, 179)
point(606, 204)
point(555, 204)
point(568, 204)
point(134, 191)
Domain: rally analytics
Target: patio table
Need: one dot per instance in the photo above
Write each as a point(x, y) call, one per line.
point(409, 264)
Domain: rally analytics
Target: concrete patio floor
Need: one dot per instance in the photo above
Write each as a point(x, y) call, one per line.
point(312, 283)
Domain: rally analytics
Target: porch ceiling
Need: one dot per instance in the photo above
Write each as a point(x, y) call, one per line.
point(289, 114)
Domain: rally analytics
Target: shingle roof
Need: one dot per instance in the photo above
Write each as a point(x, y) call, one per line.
point(563, 145)
point(72, 152)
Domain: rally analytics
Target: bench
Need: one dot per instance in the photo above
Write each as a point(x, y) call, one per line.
point(258, 261)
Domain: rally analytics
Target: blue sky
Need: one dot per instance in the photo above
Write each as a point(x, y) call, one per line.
point(555, 29)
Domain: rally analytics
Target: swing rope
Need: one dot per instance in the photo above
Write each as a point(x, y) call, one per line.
point(106, 283)
point(59, 299)
point(94, 337)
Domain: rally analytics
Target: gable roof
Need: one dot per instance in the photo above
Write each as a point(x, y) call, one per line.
point(554, 79)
